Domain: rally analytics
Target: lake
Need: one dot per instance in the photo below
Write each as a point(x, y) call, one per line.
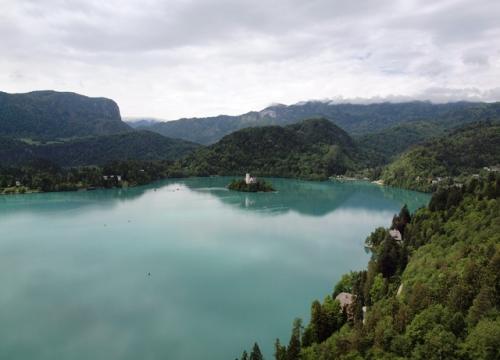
point(181, 269)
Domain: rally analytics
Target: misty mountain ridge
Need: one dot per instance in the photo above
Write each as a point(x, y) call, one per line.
point(356, 119)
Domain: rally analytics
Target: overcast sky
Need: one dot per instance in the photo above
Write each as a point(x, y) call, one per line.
point(182, 58)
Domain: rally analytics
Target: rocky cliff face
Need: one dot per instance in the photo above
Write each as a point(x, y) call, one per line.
point(50, 115)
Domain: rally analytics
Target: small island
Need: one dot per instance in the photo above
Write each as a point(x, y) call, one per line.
point(250, 184)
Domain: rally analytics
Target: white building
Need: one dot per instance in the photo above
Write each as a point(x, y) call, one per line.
point(250, 179)
point(345, 299)
point(396, 235)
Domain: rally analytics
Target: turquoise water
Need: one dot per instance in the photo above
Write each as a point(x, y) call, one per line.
point(182, 269)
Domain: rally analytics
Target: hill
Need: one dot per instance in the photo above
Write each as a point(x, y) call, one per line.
point(137, 145)
point(462, 152)
point(384, 145)
point(435, 294)
point(53, 115)
point(312, 149)
point(356, 119)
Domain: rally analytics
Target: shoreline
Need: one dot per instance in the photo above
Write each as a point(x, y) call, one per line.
point(94, 188)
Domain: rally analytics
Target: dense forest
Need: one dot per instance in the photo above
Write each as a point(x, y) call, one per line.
point(314, 149)
point(43, 176)
point(447, 159)
point(96, 150)
point(383, 146)
point(432, 291)
point(356, 119)
point(414, 145)
point(311, 149)
point(50, 114)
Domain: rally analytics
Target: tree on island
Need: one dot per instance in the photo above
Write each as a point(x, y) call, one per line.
point(256, 354)
point(256, 186)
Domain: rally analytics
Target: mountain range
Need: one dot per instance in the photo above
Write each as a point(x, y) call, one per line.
point(356, 119)
point(417, 139)
point(140, 122)
point(74, 130)
point(311, 149)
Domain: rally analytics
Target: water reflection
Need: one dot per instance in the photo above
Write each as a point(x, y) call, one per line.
point(72, 200)
point(304, 197)
point(309, 198)
point(223, 272)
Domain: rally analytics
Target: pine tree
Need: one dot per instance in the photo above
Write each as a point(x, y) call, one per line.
point(293, 350)
point(279, 350)
point(389, 257)
point(317, 322)
point(244, 356)
point(404, 215)
point(256, 354)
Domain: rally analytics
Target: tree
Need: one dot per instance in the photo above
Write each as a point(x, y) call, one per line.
point(294, 346)
point(317, 323)
point(332, 313)
point(256, 354)
point(388, 259)
point(400, 221)
point(374, 240)
point(483, 341)
point(345, 282)
point(481, 305)
point(404, 215)
point(244, 356)
point(439, 344)
point(377, 291)
point(279, 351)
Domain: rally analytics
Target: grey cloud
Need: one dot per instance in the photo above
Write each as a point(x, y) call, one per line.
point(157, 25)
point(195, 57)
point(472, 58)
point(435, 95)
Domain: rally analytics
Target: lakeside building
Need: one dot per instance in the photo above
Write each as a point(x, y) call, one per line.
point(346, 300)
point(395, 234)
point(250, 179)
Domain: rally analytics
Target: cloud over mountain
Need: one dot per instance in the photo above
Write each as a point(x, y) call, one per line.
point(203, 57)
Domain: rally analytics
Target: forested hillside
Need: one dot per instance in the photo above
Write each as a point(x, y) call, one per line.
point(384, 145)
point(356, 119)
point(99, 150)
point(69, 129)
point(435, 294)
point(312, 149)
point(50, 115)
point(463, 152)
point(41, 175)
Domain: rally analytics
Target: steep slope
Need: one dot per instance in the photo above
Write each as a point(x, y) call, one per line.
point(138, 145)
point(313, 149)
point(51, 115)
point(14, 152)
point(434, 295)
point(464, 151)
point(354, 118)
